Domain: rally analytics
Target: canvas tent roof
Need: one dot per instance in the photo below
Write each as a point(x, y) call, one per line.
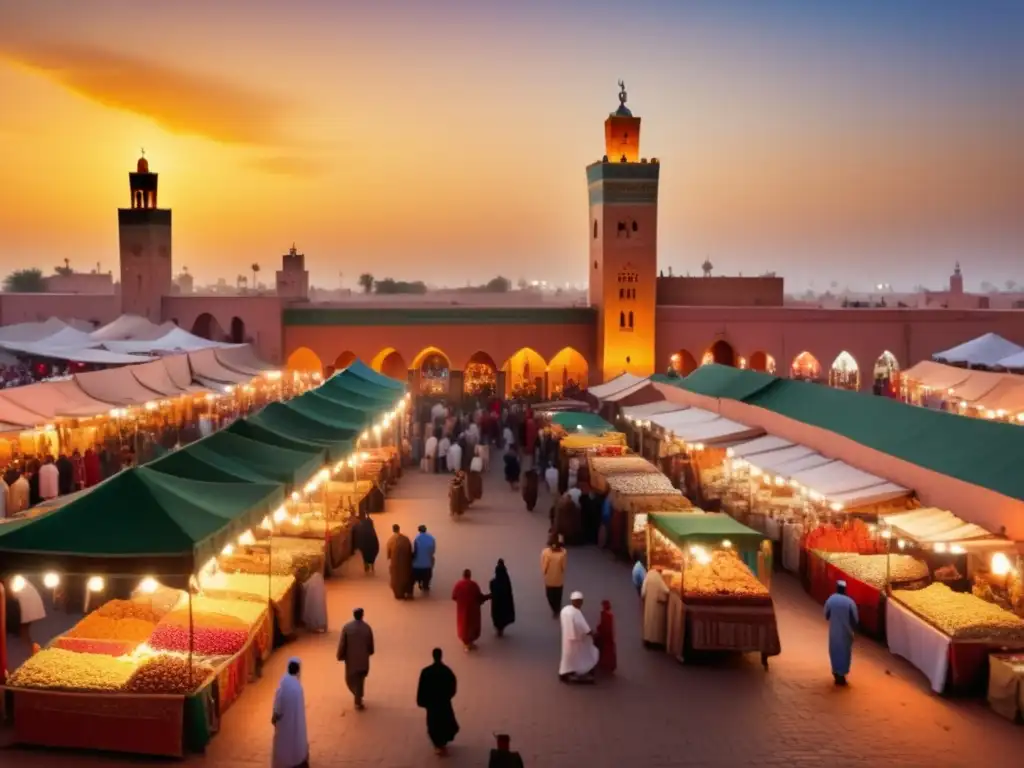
point(53, 399)
point(127, 327)
point(242, 359)
point(180, 372)
point(331, 414)
point(937, 375)
point(282, 465)
point(354, 385)
point(358, 368)
point(618, 384)
point(174, 339)
point(874, 494)
point(838, 477)
point(624, 393)
point(29, 332)
point(156, 377)
point(769, 460)
point(759, 445)
point(684, 530)
point(673, 421)
point(278, 417)
point(645, 411)
point(985, 350)
point(166, 525)
point(115, 385)
point(931, 525)
point(573, 421)
point(350, 401)
point(206, 368)
point(1014, 362)
point(715, 380)
point(13, 414)
point(197, 462)
point(715, 431)
point(267, 436)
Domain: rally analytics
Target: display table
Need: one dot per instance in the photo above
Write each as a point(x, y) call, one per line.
point(821, 584)
point(339, 547)
point(913, 639)
point(732, 626)
point(1006, 684)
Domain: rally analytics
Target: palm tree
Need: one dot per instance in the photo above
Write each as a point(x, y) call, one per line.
point(255, 271)
point(366, 282)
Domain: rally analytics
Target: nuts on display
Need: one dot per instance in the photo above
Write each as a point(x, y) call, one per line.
point(725, 575)
point(961, 615)
point(166, 673)
point(871, 569)
point(68, 670)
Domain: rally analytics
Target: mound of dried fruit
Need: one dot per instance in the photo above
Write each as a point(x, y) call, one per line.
point(168, 674)
point(206, 641)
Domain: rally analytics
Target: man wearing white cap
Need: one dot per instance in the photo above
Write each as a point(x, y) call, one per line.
point(579, 654)
point(841, 612)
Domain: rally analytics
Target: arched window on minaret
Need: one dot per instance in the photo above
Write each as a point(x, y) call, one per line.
point(631, 319)
point(622, 319)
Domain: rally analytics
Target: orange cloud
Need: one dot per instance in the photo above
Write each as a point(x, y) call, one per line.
point(295, 166)
point(181, 102)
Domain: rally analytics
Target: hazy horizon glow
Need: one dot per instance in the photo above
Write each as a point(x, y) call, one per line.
point(825, 142)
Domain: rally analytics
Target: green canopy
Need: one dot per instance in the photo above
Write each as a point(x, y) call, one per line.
point(289, 422)
point(333, 414)
point(142, 520)
point(714, 380)
point(352, 384)
point(364, 372)
point(261, 434)
point(685, 529)
point(350, 400)
point(578, 421)
point(197, 462)
point(281, 465)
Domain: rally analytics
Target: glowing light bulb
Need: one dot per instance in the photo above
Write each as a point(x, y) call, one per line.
point(51, 580)
point(148, 585)
point(726, 543)
point(18, 584)
point(228, 549)
point(280, 514)
point(96, 584)
point(1001, 564)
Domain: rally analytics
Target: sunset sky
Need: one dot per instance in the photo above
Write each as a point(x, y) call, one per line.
point(446, 141)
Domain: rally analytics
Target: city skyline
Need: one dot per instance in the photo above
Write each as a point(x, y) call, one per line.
point(381, 139)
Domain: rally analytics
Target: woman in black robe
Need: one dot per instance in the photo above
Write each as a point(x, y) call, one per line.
point(503, 606)
point(364, 539)
point(435, 692)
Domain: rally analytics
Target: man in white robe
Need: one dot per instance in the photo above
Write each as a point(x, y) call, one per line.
point(291, 745)
point(654, 593)
point(579, 654)
point(430, 453)
point(454, 461)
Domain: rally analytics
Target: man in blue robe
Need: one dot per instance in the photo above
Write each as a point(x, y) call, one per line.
point(841, 613)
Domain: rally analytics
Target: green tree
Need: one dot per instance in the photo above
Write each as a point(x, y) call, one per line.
point(391, 286)
point(25, 281)
point(366, 282)
point(65, 269)
point(498, 284)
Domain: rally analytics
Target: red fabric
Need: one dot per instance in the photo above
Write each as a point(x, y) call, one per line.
point(604, 638)
point(79, 464)
point(93, 473)
point(531, 435)
point(468, 599)
point(822, 577)
point(968, 666)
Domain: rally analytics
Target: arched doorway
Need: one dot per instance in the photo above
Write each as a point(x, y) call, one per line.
point(805, 367)
point(480, 376)
point(344, 360)
point(524, 374)
point(762, 361)
point(237, 330)
point(389, 362)
point(434, 372)
point(844, 373)
point(305, 360)
point(720, 352)
point(207, 327)
point(682, 363)
point(887, 375)
point(567, 374)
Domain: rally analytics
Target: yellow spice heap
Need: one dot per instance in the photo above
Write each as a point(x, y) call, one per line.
point(961, 615)
point(724, 576)
point(69, 670)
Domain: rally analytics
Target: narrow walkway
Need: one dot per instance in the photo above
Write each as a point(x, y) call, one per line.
point(655, 712)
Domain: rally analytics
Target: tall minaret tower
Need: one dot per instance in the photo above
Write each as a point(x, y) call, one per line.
point(144, 232)
point(623, 232)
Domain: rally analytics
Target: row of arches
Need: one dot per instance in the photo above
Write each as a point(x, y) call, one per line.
point(843, 373)
point(525, 374)
point(206, 326)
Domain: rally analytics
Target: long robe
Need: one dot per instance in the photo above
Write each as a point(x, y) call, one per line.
point(291, 745)
point(503, 605)
point(579, 654)
point(604, 639)
point(655, 596)
point(468, 599)
point(841, 612)
point(364, 539)
point(314, 603)
point(436, 689)
point(400, 555)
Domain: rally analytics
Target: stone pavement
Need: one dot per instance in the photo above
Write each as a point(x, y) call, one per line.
point(655, 712)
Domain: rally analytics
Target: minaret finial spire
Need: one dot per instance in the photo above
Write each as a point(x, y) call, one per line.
point(622, 92)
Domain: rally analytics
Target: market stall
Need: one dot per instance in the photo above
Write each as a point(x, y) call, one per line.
point(632, 497)
point(717, 604)
point(970, 607)
point(146, 668)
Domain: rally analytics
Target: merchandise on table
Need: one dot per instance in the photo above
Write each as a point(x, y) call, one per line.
point(621, 465)
point(96, 626)
point(131, 609)
point(721, 574)
point(872, 569)
point(642, 484)
point(852, 536)
point(962, 616)
point(244, 586)
point(206, 640)
point(85, 645)
point(256, 563)
point(168, 673)
point(211, 618)
point(55, 668)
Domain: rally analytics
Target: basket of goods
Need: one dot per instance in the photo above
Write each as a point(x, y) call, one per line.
point(961, 615)
point(721, 575)
point(872, 569)
point(58, 669)
point(167, 673)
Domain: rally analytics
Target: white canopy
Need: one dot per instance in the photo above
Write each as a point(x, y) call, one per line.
point(1014, 362)
point(837, 477)
point(760, 445)
point(789, 469)
point(129, 327)
point(986, 350)
point(28, 332)
point(931, 525)
point(716, 431)
point(616, 385)
point(938, 376)
point(174, 340)
point(673, 421)
point(874, 494)
point(623, 394)
point(645, 411)
point(769, 460)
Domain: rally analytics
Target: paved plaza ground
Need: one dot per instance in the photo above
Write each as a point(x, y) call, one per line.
point(654, 713)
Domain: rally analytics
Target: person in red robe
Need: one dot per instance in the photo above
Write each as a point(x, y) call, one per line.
point(468, 598)
point(604, 639)
point(93, 470)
